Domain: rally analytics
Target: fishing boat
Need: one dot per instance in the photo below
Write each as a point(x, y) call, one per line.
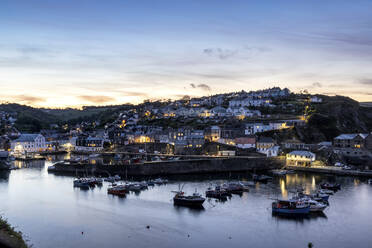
point(331, 186)
point(217, 193)
point(233, 188)
point(119, 190)
point(81, 183)
point(320, 197)
point(136, 187)
point(290, 207)
point(195, 200)
point(299, 196)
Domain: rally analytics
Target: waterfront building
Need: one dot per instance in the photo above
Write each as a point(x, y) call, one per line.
point(226, 153)
point(28, 143)
point(300, 158)
point(89, 144)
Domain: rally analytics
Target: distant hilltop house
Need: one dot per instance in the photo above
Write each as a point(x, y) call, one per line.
point(316, 99)
point(249, 101)
point(28, 143)
point(300, 158)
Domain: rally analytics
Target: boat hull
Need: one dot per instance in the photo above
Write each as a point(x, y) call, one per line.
point(188, 203)
point(286, 211)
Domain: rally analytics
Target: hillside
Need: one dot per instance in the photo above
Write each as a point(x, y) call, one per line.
point(31, 119)
point(333, 116)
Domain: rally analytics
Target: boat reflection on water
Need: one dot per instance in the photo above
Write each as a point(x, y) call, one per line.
point(38, 164)
point(300, 219)
point(195, 210)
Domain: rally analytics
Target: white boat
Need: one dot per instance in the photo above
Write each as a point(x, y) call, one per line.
point(315, 206)
point(247, 183)
point(160, 181)
point(95, 155)
point(325, 191)
point(279, 172)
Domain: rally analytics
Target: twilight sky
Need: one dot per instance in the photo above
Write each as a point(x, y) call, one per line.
point(73, 53)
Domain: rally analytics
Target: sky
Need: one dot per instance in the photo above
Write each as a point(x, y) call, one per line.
point(72, 53)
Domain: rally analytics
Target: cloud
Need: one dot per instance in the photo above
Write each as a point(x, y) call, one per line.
point(97, 99)
point(220, 53)
point(317, 85)
point(204, 87)
point(142, 94)
point(28, 99)
point(366, 81)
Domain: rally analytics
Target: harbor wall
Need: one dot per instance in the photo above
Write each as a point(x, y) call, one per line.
point(193, 166)
point(331, 170)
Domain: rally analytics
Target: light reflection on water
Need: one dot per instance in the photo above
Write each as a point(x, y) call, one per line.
point(51, 213)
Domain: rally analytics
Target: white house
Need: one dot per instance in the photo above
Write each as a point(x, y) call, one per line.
point(249, 101)
point(316, 99)
point(253, 128)
point(28, 143)
point(300, 158)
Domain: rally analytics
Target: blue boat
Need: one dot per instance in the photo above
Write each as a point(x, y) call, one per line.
point(290, 207)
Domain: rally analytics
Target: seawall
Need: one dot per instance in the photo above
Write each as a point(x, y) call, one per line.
point(194, 166)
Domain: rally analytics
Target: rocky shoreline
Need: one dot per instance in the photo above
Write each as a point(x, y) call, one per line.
point(9, 237)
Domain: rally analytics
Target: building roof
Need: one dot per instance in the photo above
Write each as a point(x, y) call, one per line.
point(27, 137)
point(302, 153)
point(265, 140)
point(245, 140)
point(347, 136)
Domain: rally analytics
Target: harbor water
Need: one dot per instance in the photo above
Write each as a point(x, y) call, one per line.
point(50, 212)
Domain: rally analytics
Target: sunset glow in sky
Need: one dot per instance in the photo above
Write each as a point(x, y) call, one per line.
point(74, 53)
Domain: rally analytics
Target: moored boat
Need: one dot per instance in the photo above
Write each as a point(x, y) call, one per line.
point(119, 190)
point(290, 207)
point(331, 186)
point(217, 193)
point(316, 206)
point(261, 178)
point(195, 200)
point(234, 188)
point(160, 181)
point(326, 191)
point(81, 183)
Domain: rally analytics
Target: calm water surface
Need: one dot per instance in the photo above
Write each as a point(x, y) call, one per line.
point(51, 213)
